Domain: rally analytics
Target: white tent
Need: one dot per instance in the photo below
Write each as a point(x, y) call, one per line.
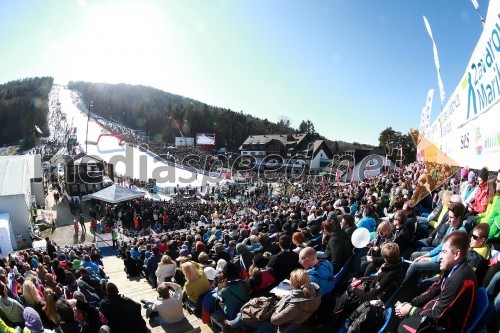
point(116, 193)
point(6, 235)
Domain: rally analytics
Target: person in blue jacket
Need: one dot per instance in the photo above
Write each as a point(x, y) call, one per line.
point(368, 221)
point(428, 261)
point(320, 271)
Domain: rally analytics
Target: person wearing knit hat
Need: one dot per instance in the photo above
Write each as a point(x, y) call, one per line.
point(483, 174)
point(463, 173)
point(480, 201)
point(32, 320)
point(184, 253)
point(471, 178)
point(468, 188)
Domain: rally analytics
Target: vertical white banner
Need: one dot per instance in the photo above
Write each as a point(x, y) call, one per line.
point(436, 61)
point(425, 117)
point(467, 128)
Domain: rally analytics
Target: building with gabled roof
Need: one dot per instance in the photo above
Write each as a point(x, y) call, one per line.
point(291, 150)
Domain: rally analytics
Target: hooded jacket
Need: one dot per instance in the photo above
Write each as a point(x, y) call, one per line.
point(481, 198)
point(321, 273)
point(295, 308)
point(492, 217)
point(12, 309)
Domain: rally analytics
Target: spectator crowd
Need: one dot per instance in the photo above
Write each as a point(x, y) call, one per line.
point(432, 233)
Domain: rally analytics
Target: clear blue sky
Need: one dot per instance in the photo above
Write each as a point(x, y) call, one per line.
point(353, 67)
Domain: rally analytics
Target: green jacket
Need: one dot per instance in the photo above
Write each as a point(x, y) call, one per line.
point(492, 217)
point(4, 328)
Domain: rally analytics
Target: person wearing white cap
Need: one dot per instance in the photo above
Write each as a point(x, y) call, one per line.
point(220, 265)
point(211, 273)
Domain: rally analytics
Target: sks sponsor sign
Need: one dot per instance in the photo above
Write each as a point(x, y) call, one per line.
point(468, 128)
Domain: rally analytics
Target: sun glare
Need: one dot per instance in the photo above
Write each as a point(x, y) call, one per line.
point(117, 43)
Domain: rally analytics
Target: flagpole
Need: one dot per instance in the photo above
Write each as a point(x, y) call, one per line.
point(476, 6)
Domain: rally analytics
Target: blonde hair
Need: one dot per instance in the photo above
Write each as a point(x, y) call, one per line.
point(446, 197)
point(50, 306)
point(384, 226)
point(253, 239)
point(299, 279)
point(165, 260)
point(190, 271)
point(31, 293)
point(390, 252)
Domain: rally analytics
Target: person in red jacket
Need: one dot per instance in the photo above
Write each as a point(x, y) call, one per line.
point(480, 201)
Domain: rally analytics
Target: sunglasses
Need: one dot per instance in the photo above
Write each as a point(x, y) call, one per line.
point(475, 237)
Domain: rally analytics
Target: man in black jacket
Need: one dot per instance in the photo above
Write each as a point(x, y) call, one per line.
point(285, 261)
point(337, 245)
point(123, 314)
point(449, 301)
point(51, 249)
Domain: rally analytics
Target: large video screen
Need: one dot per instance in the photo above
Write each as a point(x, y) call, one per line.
point(205, 139)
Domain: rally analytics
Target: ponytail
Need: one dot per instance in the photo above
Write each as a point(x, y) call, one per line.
point(305, 289)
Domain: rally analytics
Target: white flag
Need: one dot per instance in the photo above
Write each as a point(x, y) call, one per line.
point(425, 118)
point(436, 61)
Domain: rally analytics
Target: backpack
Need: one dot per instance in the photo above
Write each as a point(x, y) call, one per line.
point(367, 317)
point(258, 309)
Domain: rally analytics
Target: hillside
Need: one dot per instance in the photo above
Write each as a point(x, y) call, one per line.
point(152, 110)
point(23, 104)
